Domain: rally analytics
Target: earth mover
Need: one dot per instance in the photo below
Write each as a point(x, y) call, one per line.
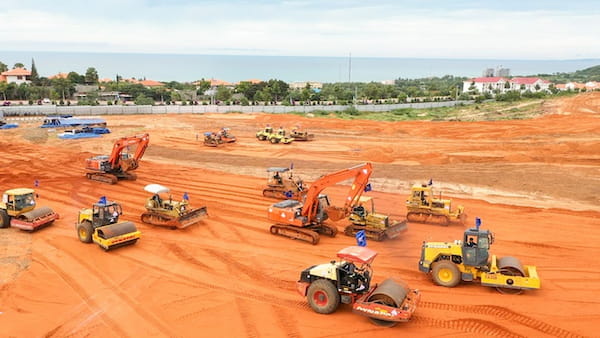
point(349, 280)
point(226, 136)
point(119, 164)
point(301, 135)
point(212, 139)
point(18, 209)
point(168, 212)
point(467, 260)
point(423, 207)
point(376, 226)
point(268, 134)
point(305, 220)
point(283, 187)
point(263, 135)
point(100, 225)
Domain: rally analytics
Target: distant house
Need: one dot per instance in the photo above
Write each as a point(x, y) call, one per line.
point(485, 84)
point(17, 75)
point(532, 84)
point(302, 85)
point(151, 83)
point(58, 76)
point(588, 86)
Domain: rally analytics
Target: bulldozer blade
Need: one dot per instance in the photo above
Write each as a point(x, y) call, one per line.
point(34, 219)
point(192, 217)
point(396, 229)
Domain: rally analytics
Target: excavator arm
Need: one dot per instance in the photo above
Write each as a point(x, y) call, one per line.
point(361, 174)
point(116, 158)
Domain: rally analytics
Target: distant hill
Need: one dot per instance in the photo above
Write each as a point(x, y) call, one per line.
point(584, 75)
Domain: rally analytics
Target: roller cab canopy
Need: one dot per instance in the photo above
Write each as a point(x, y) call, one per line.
point(277, 169)
point(156, 188)
point(357, 254)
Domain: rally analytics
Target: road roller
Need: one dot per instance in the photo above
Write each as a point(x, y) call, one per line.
point(100, 225)
point(18, 209)
point(469, 259)
point(349, 280)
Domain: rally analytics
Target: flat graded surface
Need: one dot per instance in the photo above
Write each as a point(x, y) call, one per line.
point(535, 183)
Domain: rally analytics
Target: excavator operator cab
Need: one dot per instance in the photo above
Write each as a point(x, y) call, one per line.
point(322, 207)
point(104, 214)
point(476, 245)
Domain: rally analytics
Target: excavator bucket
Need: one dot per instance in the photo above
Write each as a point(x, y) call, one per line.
point(336, 213)
point(116, 235)
point(34, 219)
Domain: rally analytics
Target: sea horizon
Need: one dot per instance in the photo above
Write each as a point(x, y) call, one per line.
point(235, 68)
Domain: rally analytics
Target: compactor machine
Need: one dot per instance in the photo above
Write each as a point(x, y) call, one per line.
point(468, 259)
point(268, 134)
point(306, 220)
point(226, 136)
point(349, 281)
point(18, 209)
point(301, 135)
point(423, 207)
point(377, 226)
point(168, 212)
point(212, 139)
point(120, 163)
point(100, 225)
point(283, 186)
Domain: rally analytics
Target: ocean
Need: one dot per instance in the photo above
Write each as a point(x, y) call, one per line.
point(234, 68)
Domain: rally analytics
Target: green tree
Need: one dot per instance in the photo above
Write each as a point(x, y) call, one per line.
point(202, 86)
point(18, 65)
point(74, 77)
point(3, 89)
point(223, 93)
point(63, 87)
point(276, 89)
point(91, 75)
point(35, 77)
point(143, 100)
point(3, 67)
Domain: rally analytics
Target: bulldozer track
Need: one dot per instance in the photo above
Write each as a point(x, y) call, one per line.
point(185, 256)
point(245, 314)
point(504, 313)
point(83, 294)
point(286, 321)
point(122, 295)
point(470, 325)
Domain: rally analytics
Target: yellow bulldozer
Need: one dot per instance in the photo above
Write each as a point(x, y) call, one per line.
point(283, 186)
point(423, 207)
point(449, 263)
point(100, 225)
point(18, 209)
point(377, 226)
point(168, 212)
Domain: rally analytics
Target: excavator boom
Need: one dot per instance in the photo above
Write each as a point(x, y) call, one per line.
point(109, 169)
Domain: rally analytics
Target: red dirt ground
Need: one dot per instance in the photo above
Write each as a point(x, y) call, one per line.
point(535, 183)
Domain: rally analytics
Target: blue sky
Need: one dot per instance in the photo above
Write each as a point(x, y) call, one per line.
point(424, 29)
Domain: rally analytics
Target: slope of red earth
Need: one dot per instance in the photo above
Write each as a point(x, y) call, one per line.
point(535, 183)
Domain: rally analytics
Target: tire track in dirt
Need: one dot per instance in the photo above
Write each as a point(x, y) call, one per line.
point(185, 256)
point(149, 317)
point(244, 311)
point(470, 325)
point(83, 294)
point(286, 321)
point(504, 313)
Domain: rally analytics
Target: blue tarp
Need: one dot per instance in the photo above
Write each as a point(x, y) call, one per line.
point(9, 126)
point(70, 136)
point(54, 122)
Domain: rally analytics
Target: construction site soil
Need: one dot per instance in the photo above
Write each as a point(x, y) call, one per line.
point(535, 183)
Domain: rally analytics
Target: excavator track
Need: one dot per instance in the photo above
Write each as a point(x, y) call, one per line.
point(326, 229)
point(306, 235)
point(104, 178)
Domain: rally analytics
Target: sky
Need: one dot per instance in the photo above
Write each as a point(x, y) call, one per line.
point(508, 29)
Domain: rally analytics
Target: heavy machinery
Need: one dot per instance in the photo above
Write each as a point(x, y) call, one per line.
point(100, 225)
point(283, 187)
point(376, 226)
point(301, 135)
point(305, 220)
point(348, 281)
point(274, 137)
point(168, 212)
point(452, 262)
point(18, 209)
point(119, 164)
point(226, 136)
point(423, 207)
point(212, 139)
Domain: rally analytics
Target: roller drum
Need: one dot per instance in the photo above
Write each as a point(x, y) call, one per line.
point(118, 229)
point(511, 265)
point(389, 292)
point(37, 213)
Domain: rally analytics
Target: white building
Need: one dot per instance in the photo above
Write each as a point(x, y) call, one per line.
point(532, 84)
point(485, 84)
point(17, 75)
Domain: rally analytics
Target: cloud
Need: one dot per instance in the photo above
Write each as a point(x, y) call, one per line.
point(391, 29)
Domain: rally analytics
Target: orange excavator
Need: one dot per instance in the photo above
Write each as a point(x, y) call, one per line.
point(117, 166)
point(305, 220)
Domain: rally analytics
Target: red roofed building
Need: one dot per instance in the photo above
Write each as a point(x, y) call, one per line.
point(533, 84)
point(485, 84)
point(17, 75)
point(151, 83)
point(58, 76)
